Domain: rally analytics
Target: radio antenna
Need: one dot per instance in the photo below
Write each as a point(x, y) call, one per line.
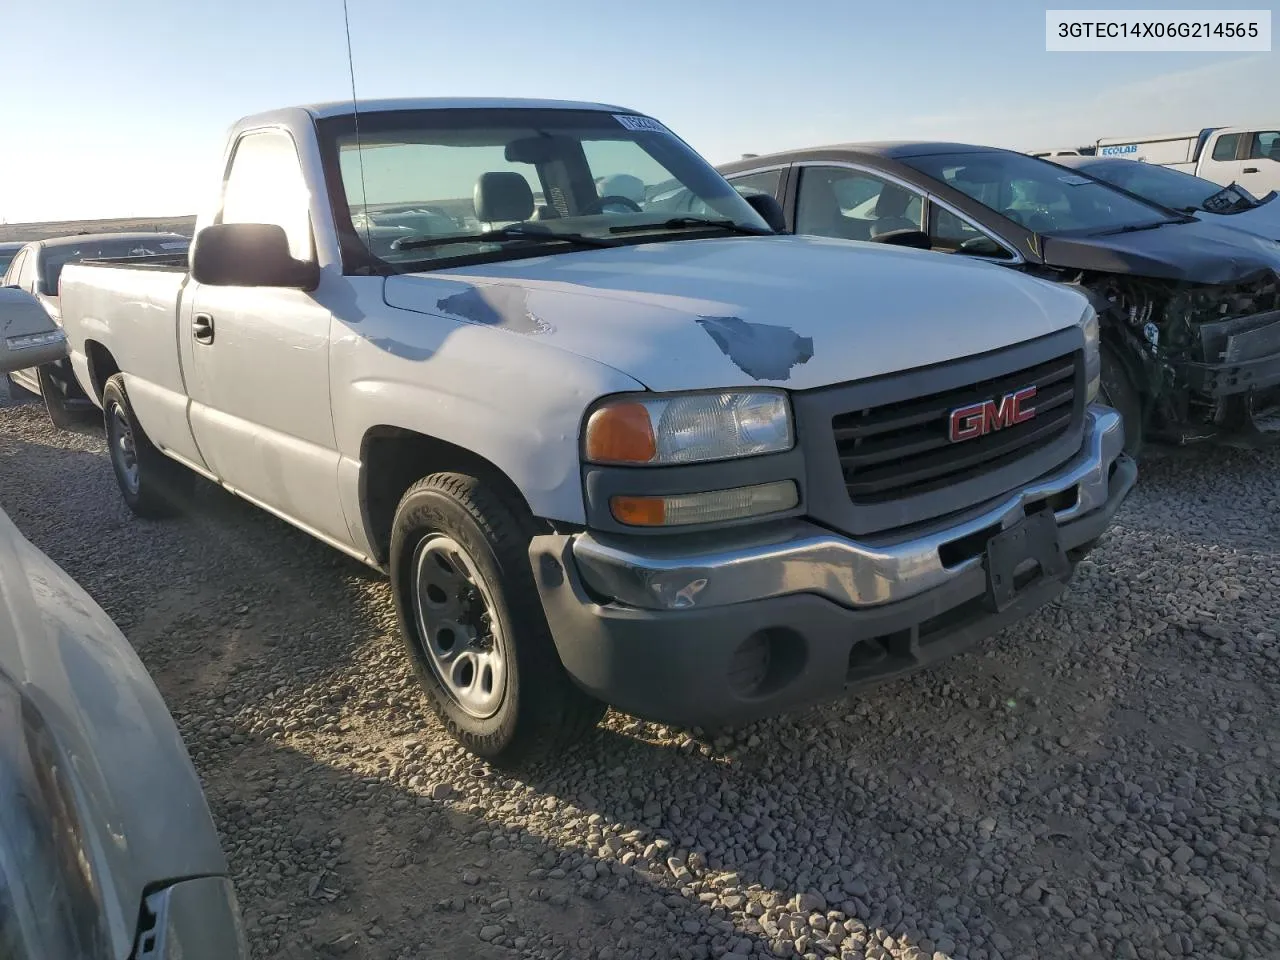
point(355, 115)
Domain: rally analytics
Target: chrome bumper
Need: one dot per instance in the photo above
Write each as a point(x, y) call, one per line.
point(796, 556)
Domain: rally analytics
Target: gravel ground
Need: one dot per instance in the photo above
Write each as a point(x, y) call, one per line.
point(1100, 780)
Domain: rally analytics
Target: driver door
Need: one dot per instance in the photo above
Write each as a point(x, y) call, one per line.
point(259, 357)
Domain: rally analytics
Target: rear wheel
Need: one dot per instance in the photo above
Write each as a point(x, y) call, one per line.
point(1119, 392)
point(472, 622)
point(152, 485)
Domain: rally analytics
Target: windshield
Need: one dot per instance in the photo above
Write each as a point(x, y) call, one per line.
point(421, 177)
point(54, 258)
point(6, 258)
point(1167, 187)
point(1041, 196)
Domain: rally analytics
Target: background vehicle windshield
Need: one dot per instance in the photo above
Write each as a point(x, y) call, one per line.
point(6, 257)
point(54, 258)
point(1040, 196)
point(443, 173)
point(1163, 185)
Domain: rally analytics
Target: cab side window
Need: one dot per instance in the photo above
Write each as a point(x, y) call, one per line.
point(265, 185)
point(1226, 146)
point(854, 204)
point(15, 269)
point(1263, 146)
point(28, 276)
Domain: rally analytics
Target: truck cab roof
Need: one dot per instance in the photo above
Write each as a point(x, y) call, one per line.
point(339, 108)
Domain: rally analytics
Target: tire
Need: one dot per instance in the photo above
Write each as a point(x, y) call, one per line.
point(153, 486)
point(61, 415)
point(449, 524)
point(1118, 392)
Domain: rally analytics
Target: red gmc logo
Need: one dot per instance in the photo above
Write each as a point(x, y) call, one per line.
point(979, 419)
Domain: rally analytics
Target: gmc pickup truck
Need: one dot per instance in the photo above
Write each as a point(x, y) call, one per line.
point(607, 454)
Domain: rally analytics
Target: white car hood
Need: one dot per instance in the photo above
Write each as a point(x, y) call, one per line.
point(800, 312)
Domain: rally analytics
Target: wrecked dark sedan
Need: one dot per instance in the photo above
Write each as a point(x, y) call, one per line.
point(1191, 325)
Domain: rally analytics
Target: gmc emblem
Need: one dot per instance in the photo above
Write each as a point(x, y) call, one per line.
point(979, 419)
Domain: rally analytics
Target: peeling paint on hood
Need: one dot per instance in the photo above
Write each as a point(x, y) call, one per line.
point(494, 306)
point(802, 312)
point(759, 350)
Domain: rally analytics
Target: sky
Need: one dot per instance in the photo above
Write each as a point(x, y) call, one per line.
point(120, 109)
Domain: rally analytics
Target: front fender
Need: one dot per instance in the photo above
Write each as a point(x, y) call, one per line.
point(503, 396)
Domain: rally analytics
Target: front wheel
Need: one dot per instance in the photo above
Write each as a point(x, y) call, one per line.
point(1119, 392)
point(472, 622)
point(153, 486)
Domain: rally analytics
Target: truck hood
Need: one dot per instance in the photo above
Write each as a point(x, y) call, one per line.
point(801, 312)
point(98, 798)
point(1191, 252)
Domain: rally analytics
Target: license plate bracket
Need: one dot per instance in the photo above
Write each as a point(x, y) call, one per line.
point(1032, 539)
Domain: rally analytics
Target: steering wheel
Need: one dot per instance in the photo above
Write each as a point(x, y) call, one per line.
point(599, 205)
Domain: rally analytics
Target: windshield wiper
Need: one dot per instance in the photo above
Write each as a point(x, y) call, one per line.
point(1135, 227)
point(504, 234)
point(676, 223)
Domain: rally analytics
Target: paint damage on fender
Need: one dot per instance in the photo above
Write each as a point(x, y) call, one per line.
point(495, 306)
point(762, 351)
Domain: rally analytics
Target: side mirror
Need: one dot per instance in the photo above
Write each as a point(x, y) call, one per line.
point(770, 211)
point(905, 238)
point(28, 335)
point(249, 255)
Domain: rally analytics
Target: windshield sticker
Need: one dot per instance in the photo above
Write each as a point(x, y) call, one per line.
point(632, 122)
point(1074, 180)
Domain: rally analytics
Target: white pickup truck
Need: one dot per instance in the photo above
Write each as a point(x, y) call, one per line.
point(607, 454)
point(1248, 156)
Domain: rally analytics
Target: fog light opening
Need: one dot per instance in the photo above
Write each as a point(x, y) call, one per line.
point(766, 661)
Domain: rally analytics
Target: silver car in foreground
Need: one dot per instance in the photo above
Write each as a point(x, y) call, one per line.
point(107, 847)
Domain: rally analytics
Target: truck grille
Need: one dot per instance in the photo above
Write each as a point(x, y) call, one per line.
point(899, 450)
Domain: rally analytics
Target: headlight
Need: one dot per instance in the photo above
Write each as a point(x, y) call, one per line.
point(1092, 356)
point(688, 428)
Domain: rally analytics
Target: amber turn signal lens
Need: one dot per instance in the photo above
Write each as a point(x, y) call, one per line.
point(620, 433)
point(639, 511)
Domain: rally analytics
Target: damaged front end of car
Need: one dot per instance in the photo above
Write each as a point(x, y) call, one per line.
point(1204, 357)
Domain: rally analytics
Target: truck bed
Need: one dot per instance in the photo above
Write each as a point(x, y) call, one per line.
point(153, 261)
point(127, 308)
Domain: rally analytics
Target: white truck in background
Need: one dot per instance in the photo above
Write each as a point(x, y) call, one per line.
point(1248, 156)
point(607, 453)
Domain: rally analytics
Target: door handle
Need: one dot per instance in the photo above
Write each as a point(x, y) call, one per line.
point(202, 328)
point(1250, 170)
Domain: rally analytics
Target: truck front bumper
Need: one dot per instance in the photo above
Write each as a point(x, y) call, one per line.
point(722, 629)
